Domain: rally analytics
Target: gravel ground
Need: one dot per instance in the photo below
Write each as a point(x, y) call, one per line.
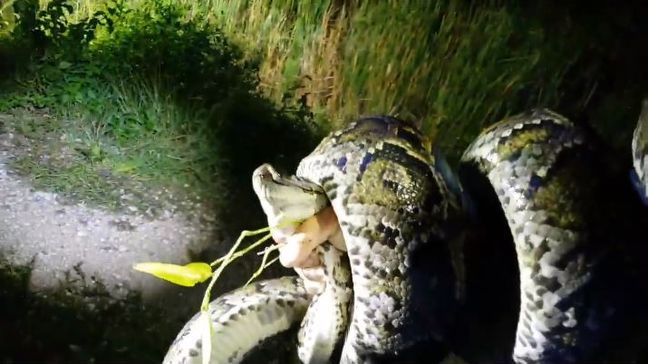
point(74, 244)
point(81, 255)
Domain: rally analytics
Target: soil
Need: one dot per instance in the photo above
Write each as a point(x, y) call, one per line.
point(68, 292)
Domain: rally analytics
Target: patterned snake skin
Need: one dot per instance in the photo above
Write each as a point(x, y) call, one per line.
point(397, 210)
point(541, 168)
point(392, 206)
point(640, 153)
point(288, 201)
point(241, 320)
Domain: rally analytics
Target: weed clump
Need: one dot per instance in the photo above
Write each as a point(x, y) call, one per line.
point(146, 92)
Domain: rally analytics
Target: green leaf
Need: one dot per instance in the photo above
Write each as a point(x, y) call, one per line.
point(182, 275)
point(64, 65)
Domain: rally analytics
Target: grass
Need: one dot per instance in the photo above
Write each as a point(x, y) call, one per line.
point(186, 100)
point(71, 151)
point(72, 155)
point(184, 94)
point(451, 66)
point(136, 117)
point(177, 95)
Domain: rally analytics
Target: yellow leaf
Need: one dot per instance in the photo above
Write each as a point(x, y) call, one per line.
point(183, 275)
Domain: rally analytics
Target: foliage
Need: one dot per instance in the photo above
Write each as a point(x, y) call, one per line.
point(153, 92)
point(451, 66)
point(155, 41)
point(41, 29)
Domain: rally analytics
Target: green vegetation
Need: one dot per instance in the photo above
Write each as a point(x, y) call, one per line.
point(183, 95)
point(451, 66)
point(138, 93)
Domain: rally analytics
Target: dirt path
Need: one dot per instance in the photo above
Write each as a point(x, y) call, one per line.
point(78, 245)
point(86, 253)
point(80, 259)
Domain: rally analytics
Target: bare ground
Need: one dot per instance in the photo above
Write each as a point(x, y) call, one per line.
point(70, 248)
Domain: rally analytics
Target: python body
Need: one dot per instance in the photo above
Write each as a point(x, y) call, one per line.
point(393, 207)
point(243, 318)
point(640, 153)
point(570, 256)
